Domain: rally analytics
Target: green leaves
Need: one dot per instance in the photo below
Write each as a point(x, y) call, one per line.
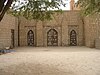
point(89, 7)
point(35, 9)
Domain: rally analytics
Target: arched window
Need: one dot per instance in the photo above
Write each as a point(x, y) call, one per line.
point(52, 38)
point(30, 38)
point(73, 38)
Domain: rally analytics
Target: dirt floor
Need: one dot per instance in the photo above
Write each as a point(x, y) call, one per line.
point(51, 61)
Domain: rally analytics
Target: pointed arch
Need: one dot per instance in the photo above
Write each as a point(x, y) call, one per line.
point(73, 38)
point(30, 38)
point(52, 38)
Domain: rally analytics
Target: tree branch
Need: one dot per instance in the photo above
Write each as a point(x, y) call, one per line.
point(5, 8)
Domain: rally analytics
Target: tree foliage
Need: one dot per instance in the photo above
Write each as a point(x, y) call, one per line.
point(89, 6)
point(32, 9)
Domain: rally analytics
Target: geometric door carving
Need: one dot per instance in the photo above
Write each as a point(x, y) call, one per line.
point(73, 38)
point(52, 38)
point(30, 38)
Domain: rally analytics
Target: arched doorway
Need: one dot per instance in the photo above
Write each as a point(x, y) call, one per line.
point(30, 38)
point(52, 38)
point(73, 38)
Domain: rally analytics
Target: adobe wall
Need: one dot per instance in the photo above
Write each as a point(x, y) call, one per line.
point(6, 25)
point(87, 29)
point(72, 21)
point(62, 23)
point(92, 30)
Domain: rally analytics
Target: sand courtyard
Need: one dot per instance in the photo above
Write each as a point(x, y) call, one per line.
point(51, 61)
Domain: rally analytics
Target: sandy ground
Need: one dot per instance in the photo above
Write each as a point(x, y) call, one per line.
point(51, 61)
